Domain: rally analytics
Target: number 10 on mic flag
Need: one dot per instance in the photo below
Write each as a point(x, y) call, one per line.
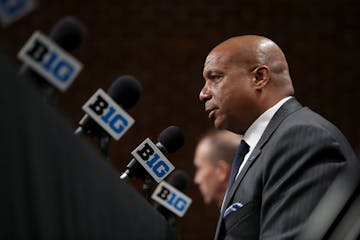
point(152, 159)
point(50, 61)
point(171, 198)
point(108, 114)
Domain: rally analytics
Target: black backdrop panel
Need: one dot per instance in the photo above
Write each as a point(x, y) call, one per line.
point(53, 185)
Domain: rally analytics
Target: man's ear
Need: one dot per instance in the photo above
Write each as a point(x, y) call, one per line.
point(223, 170)
point(262, 76)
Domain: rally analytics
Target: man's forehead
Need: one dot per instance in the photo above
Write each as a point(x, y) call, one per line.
point(216, 59)
point(212, 58)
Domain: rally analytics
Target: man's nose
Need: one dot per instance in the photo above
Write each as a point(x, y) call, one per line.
point(204, 94)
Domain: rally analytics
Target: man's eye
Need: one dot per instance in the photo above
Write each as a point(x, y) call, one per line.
point(215, 76)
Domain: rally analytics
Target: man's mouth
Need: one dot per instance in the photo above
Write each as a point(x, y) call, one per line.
point(211, 113)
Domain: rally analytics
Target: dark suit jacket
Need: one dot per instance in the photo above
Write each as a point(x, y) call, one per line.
point(298, 156)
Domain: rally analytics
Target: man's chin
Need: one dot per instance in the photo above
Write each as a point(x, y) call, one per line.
point(207, 201)
point(219, 124)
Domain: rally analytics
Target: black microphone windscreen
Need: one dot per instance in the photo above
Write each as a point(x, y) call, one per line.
point(171, 138)
point(179, 179)
point(68, 33)
point(125, 91)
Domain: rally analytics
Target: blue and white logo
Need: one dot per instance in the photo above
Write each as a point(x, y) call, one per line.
point(152, 159)
point(50, 61)
point(108, 114)
point(12, 10)
point(171, 198)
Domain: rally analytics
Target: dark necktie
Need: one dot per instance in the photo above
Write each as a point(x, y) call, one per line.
point(242, 150)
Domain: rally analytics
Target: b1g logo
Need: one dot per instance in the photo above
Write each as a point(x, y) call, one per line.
point(152, 159)
point(108, 114)
point(171, 198)
point(11, 10)
point(53, 63)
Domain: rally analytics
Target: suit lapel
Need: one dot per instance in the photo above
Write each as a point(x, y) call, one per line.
point(243, 171)
point(285, 110)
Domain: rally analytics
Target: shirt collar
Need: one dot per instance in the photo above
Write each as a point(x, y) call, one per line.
point(256, 130)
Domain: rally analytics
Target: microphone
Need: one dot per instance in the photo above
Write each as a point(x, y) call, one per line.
point(125, 91)
point(169, 140)
point(68, 34)
point(180, 180)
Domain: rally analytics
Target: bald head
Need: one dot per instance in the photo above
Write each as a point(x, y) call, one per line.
point(244, 76)
point(250, 51)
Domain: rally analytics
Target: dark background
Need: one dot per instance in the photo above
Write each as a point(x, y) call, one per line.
point(164, 44)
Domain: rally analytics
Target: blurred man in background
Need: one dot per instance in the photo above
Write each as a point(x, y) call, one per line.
point(213, 157)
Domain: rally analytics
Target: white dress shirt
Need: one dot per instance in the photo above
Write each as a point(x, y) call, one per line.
point(256, 130)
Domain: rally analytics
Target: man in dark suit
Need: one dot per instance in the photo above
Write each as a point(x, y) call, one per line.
point(289, 156)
